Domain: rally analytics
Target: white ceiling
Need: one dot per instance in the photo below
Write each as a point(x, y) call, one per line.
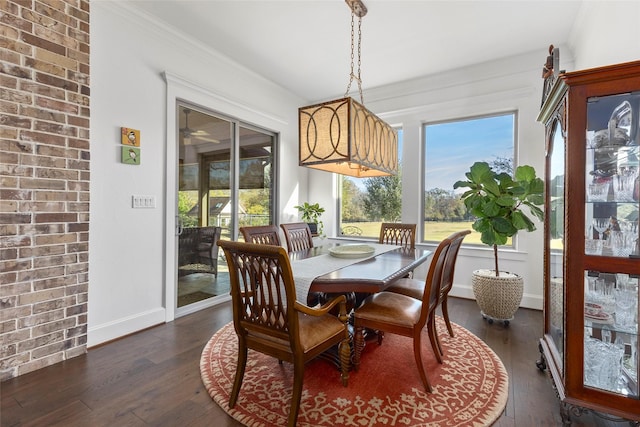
point(304, 45)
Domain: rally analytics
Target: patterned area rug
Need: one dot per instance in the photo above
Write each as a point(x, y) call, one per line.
point(470, 387)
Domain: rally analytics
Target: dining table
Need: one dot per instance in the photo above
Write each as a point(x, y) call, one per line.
point(352, 269)
point(340, 267)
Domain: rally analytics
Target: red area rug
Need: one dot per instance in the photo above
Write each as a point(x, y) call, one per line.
point(470, 387)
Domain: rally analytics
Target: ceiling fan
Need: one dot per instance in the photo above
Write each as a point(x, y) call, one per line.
point(187, 133)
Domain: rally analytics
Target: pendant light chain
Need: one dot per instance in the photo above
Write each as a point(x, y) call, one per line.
point(359, 56)
point(351, 74)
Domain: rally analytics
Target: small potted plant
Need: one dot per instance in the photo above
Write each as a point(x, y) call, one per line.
point(496, 200)
point(311, 215)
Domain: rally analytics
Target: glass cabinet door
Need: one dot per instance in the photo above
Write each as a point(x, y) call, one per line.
point(611, 230)
point(556, 233)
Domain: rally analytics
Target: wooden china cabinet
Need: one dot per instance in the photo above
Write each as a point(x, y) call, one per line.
point(591, 259)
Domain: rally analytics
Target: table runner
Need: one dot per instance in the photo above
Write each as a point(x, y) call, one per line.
point(305, 270)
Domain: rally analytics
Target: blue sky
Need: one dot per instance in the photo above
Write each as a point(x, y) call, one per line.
point(452, 147)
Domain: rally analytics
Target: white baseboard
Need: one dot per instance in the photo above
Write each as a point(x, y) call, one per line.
point(124, 326)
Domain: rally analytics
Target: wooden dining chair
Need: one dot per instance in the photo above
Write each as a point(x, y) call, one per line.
point(389, 312)
point(404, 235)
point(398, 234)
point(268, 318)
point(298, 236)
point(415, 288)
point(262, 234)
point(447, 277)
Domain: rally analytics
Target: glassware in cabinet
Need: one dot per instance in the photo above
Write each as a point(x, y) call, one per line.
point(611, 332)
point(612, 175)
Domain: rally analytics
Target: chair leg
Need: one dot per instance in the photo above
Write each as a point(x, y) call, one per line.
point(344, 350)
point(358, 343)
point(445, 315)
point(417, 344)
point(296, 395)
point(237, 382)
point(433, 338)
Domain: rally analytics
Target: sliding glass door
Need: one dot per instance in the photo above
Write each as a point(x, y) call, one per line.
point(225, 180)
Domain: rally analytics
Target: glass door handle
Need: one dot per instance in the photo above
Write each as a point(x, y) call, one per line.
point(179, 225)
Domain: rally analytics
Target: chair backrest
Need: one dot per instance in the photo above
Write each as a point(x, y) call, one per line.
point(398, 234)
point(433, 282)
point(262, 290)
point(298, 236)
point(208, 243)
point(210, 234)
point(450, 261)
point(187, 245)
point(262, 234)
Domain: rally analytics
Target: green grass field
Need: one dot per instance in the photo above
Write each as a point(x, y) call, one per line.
point(436, 231)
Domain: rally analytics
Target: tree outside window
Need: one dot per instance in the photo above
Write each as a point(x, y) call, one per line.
point(366, 203)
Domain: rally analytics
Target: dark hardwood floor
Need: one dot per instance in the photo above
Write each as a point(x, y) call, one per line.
point(152, 378)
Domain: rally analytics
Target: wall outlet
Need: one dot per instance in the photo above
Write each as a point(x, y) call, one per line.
point(142, 202)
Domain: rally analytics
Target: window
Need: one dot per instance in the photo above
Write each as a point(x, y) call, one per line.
point(450, 150)
point(365, 203)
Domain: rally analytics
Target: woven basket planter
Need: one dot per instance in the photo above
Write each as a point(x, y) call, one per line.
point(498, 297)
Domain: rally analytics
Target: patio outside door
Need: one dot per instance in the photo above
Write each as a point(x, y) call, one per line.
point(225, 181)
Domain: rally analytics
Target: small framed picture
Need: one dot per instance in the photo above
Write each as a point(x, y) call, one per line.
point(130, 137)
point(130, 155)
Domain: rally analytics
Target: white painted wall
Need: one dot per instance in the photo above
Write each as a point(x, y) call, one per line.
point(128, 272)
point(605, 32)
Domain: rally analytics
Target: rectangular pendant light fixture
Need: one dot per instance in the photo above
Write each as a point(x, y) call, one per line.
point(342, 136)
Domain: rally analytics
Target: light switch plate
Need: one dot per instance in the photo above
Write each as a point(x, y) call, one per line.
point(143, 202)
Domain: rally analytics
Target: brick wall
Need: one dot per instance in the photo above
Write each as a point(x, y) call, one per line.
point(44, 182)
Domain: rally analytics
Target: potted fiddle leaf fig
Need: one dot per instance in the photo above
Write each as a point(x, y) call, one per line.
point(310, 214)
point(500, 205)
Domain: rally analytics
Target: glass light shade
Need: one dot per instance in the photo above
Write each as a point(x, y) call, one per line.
point(342, 136)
